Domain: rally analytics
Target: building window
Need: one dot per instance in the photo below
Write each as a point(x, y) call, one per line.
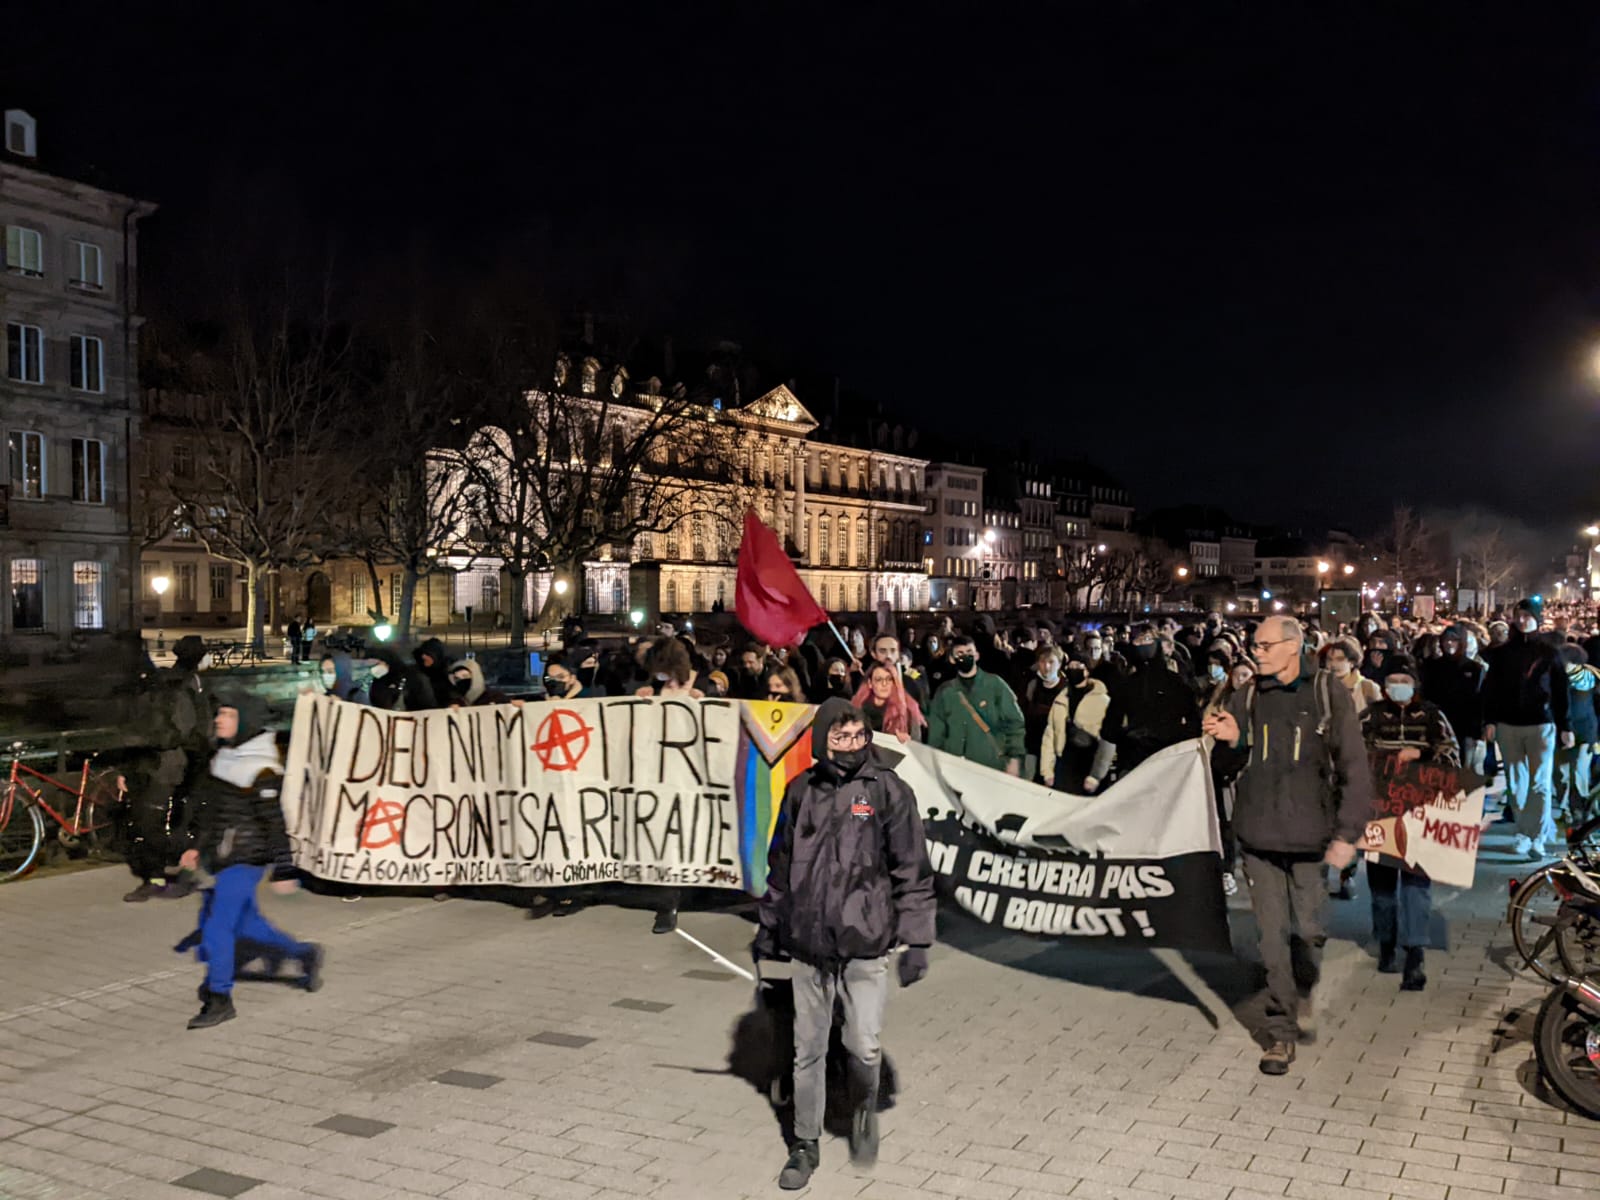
point(394, 593)
point(699, 535)
point(672, 595)
point(643, 547)
point(27, 593)
point(87, 368)
point(824, 547)
point(861, 543)
point(220, 578)
point(24, 353)
point(24, 251)
point(489, 594)
point(358, 593)
point(844, 542)
point(87, 269)
point(88, 595)
point(88, 470)
point(697, 597)
point(26, 452)
point(184, 577)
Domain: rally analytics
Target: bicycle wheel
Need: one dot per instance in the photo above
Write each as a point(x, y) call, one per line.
point(1532, 916)
point(103, 810)
point(21, 833)
point(1566, 1040)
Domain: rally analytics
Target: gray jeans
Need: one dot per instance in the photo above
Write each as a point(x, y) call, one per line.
point(1530, 756)
point(1290, 901)
point(862, 991)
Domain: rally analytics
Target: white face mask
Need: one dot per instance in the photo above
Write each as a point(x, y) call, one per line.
point(329, 678)
point(1218, 674)
point(1341, 668)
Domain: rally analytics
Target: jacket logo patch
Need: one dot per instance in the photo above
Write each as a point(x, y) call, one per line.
point(861, 810)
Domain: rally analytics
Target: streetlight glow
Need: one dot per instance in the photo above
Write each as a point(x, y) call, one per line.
point(1183, 572)
point(561, 587)
point(160, 584)
point(1349, 569)
point(1323, 568)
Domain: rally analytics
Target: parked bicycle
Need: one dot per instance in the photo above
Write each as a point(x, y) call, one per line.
point(1566, 1035)
point(86, 825)
point(1553, 937)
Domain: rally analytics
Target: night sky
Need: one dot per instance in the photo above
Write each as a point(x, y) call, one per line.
point(1297, 260)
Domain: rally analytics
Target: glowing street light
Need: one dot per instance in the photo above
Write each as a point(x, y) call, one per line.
point(988, 536)
point(1183, 572)
point(1592, 530)
point(561, 587)
point(1324, 567)
point(159, 586)
point(1349, 568)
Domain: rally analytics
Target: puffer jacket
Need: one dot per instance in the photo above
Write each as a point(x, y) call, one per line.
point(1084, 710)
point(848, 874)
point(238, 816)
point(1300, 787)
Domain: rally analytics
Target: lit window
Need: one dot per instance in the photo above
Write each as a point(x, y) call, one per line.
point(26, 453)
point(24, 353)
point(24, 251)
point(219, 582)
point(88, 470)
point(87, 267)
point(88, 363)
point(88, 595)
point(27, 593)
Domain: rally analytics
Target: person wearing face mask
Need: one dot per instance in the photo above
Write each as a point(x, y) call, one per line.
point(1103, 664)
point(469, 689)
point(1039, 694)
point(975, 715)
point(783, 686)
point(1411, 729)
point(1072, 729)
point(1151, 709)
point(1454, 681)
point(1525, 714)
point(1379, 647)
point(1342, 658)
point(936, 662)
point(338, 678)
point(1573, 762)
point(836, 680)
point(575, 678)
point(840, 922)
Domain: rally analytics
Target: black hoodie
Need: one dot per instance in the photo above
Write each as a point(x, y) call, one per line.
point(1526, 684)
point(237, 816)
point(848, 873)
point(437, 675)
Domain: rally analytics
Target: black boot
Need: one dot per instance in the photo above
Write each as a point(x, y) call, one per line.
point(863, 1083)
point(666, 921)
point(1414, 980)
point(218, 1007)
point(311, 964)
point(1386, 958)
point(803, 1160)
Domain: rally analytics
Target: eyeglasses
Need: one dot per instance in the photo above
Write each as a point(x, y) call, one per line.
point(843, 741)
point(1260, 647)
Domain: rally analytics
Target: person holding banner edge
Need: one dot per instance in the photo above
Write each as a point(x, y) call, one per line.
point(848, 879)
point(1304, 793)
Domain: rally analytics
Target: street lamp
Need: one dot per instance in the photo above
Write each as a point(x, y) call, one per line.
point(1183, 572)
point(1323, 568)
point(1349, 568)
point(159, 586)
point(561, 587)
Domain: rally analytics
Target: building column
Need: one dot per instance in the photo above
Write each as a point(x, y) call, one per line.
point(800, 504)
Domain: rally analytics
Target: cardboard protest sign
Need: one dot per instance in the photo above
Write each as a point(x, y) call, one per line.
point(1426, 818)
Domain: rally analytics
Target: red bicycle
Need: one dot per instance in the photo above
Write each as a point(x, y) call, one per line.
point(87, 824)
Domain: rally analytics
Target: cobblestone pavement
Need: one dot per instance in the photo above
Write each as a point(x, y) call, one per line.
point(460, 1050)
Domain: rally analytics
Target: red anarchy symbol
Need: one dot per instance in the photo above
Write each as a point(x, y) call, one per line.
point(385, 825)
point(563, 740)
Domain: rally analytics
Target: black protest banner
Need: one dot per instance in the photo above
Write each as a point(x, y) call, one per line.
point(1173, 901)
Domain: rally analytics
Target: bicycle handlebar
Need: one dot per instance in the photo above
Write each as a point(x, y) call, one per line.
point(1582, 832)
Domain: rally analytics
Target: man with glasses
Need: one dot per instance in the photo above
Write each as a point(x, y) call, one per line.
point(1302, 800)
point(848, 880)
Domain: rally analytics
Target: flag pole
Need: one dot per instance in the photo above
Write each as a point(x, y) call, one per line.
point(849, 653)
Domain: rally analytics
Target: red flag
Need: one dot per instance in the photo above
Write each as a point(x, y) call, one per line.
point(771, 601)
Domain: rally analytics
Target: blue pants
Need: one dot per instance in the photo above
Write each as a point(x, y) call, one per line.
point(1402, 904)
point(231, 916)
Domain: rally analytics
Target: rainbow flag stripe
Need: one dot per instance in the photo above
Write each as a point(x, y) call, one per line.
point(762, 784)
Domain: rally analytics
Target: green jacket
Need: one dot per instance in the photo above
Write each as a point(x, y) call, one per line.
point(953, 729)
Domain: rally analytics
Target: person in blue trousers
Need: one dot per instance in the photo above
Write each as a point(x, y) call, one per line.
point(239, 837)
point(1406, 726)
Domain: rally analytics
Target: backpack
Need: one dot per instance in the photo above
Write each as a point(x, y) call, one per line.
point(1321, 684)
point(172, 716)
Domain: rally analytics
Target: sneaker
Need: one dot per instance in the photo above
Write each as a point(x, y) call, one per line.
point(864, 1136)
point(348, 899)
point(311, 965)
point(144, 892)
point(666, 921)
point(1522, 845)
point(215, 1009)
point(1414, 980)
point(803, 1160)
point(1536, 851)
point(1306, 1019)
point(1277, 1058)
point(1230, 885)
point(565, 908)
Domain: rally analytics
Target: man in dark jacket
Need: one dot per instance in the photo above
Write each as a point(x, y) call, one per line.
point(848, 880)
point(1454, 682)
point(239, 833)
point(1525, 710)
point(1303, 800)
point(434, 663)
point(1151, 709)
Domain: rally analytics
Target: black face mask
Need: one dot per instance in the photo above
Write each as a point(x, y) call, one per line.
point(848, 762)
point(838, 684)
point(556, 687)
point(963, 663)
point(587, 675)
point(1144, 653)
point(1076, 678)
point(462, 685)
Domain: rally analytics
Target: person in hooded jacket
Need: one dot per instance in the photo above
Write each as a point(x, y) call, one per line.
point(1525, 700)
point(469, 689)
point(434, 663)
point(848, 880)
point(1573, 763)
point(1151, 709)
point(397, 686)
point(1454, 681)
point(240, 835)
point(1072, 730)
point(339, 680)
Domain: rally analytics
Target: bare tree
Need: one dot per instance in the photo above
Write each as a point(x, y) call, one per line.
point(261, 489)
point(1488, 561)
point(1081, 569)
point(1151, 570)
point(1407, 549)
